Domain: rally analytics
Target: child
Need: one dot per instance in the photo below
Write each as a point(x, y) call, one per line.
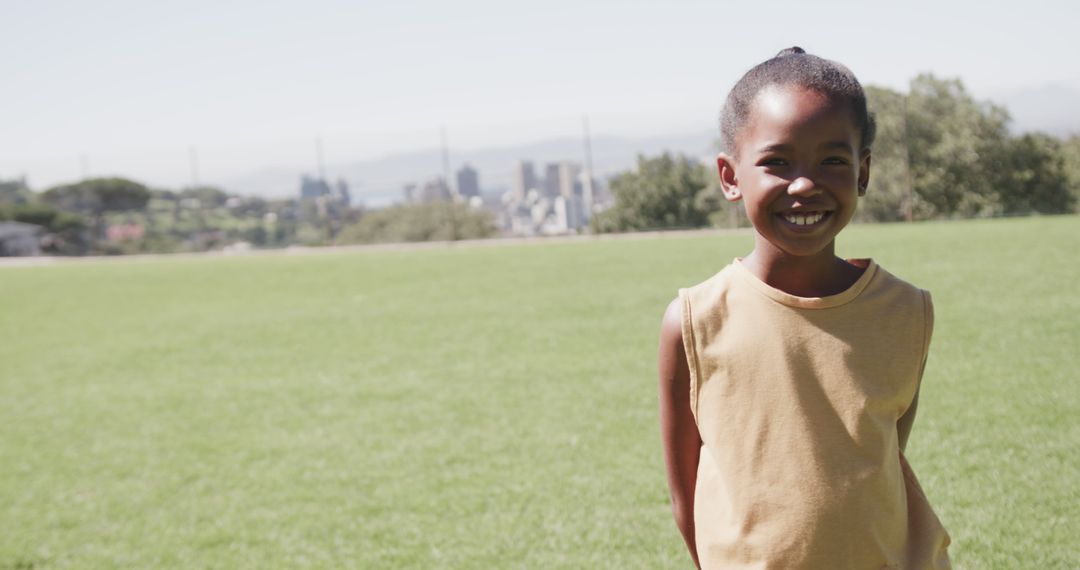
point(789, 380)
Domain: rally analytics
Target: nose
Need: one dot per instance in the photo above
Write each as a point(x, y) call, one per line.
point(803, 186)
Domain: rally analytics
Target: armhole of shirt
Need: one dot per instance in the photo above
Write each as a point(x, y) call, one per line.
point(690, 349)
point(928, 331)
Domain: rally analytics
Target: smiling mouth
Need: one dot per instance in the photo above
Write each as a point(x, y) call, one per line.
point(805, 219)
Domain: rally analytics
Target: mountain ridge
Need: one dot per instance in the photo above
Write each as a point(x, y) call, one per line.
point(379, 181)
point(383, 176)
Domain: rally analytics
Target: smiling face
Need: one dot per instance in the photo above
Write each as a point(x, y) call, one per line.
point(799, 170)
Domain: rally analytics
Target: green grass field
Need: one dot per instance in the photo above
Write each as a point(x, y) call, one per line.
point(479, 407)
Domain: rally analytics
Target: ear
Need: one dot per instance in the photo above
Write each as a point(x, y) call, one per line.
point(729, 182)
point(864, 171)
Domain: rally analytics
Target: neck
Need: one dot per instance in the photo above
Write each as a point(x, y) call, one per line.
point(819, 275)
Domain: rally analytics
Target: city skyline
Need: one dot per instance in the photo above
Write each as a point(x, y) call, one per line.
point(126, 88)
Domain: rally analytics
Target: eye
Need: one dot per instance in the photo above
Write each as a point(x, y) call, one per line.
point(773, 161)
point(835, 160)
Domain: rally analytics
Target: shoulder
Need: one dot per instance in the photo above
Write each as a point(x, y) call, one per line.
point(887, 280)
point(672, 364)
point(898, 299)
point(702, 297)
point(897, 292)
point(671, 323)
point(683, 312)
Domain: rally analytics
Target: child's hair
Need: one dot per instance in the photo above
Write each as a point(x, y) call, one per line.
point(793, 66)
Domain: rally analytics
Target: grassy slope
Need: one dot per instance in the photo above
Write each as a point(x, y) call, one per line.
point(478, 406)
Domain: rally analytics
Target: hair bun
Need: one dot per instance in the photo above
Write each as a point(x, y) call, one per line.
point(795, 50)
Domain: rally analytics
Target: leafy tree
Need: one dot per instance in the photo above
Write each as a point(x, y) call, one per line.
point(250, 206)
point(1070, 156)
point(15, 192)
point(435, 221)
point(1034, 178)
point(163, 194)
point(888, 198)
point(208, 196)
point(98, 196)
point(955, 145)
point(940, 154)
point(711, 200)
point(37, 214)
point(661, 193)
point(66, 230)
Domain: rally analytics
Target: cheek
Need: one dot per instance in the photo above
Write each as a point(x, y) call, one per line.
point(841, 175)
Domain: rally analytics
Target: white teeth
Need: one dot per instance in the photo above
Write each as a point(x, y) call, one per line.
point(804, 219)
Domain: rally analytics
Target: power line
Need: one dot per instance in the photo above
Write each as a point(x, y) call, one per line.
point(445, 160)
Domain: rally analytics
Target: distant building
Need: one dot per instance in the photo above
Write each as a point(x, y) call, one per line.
point(312, 188)
point(524, 179)
point(468, 182)
point(569, 185)
point(435, 190)
point(409, 193)
point(18, 239)
point(551, 179)
point(342, 192)
point(124, 232)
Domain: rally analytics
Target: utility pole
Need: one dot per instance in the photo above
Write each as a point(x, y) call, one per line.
point(445, 161)
point(322, 203)
point(446, 178)
point(587, 187)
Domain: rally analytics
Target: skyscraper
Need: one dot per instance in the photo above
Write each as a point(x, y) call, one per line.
point(410, 193)
point(343, 193)
point(468, 182)
point(524, 179)
point(311, 188)
point(569, 185)
point(435, 190)
point(551, 179)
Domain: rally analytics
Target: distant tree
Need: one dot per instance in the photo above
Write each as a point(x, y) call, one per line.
point(956, 146)
point(888, 198)
point(1070, 155)
point(15, 192)
point(257, 236)
point(249, 206)
point(37, 214)
point(941, 154)
point(436, 221)
point(97, 196)
point(68, 234)
point(162, 194)
point(65, 230)
point(208, 196)
point(660, 193)
point(710, 200)
point(1033, 177)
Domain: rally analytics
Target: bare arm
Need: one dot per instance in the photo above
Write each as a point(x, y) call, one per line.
point(903, 425)
point(682, 443)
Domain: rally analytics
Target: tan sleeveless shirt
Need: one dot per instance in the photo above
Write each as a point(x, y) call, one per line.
point(796, 400)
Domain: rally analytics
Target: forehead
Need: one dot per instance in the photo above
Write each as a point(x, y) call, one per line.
point(785, 114)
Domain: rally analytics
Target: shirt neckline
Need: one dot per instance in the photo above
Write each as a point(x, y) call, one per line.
point(841, 298)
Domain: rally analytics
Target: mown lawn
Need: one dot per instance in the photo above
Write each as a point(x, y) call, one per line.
point(476, 406)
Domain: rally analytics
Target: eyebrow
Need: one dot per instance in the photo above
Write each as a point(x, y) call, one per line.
point(780, 147)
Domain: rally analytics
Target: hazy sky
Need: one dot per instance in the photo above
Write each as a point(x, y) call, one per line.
point(131, 85)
